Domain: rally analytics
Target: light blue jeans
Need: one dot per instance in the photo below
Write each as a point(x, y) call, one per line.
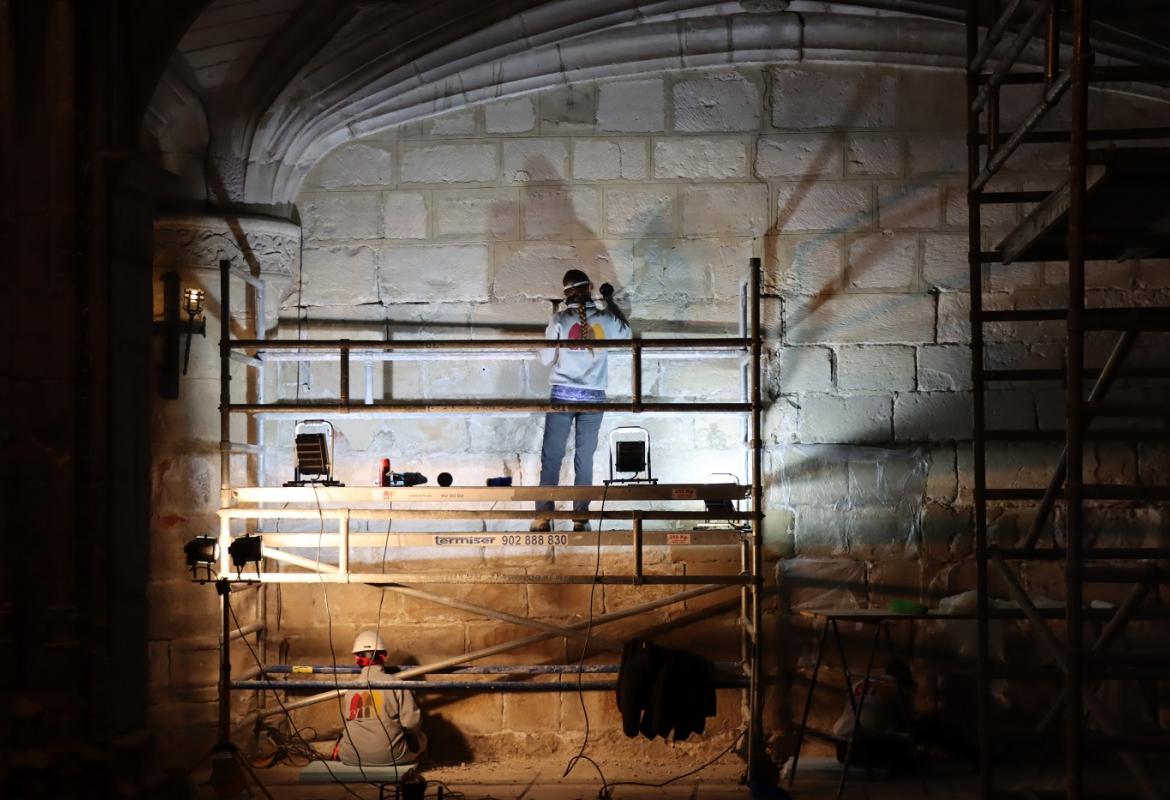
point(552, 452)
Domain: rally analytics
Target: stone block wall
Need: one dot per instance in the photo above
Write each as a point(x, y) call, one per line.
point(848, 181)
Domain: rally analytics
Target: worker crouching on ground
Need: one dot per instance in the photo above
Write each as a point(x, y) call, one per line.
point(382, 726)
point(579, 375)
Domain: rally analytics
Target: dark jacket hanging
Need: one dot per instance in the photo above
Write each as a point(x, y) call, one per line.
point(662, 690)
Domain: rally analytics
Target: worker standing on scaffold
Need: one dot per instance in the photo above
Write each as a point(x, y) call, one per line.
point(579, 375)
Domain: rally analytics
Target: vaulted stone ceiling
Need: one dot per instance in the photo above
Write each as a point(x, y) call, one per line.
point(258, 90)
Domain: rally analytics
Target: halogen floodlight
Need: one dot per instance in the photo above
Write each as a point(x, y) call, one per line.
point(629, 454)
point(314, 454)
point(202, 551)
point(246, 550)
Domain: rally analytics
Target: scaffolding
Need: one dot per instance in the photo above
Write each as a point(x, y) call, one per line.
point(1110, 207)
point(245, 510)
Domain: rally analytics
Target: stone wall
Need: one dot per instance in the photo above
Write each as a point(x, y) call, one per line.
point(183, 617)
point(849, 182)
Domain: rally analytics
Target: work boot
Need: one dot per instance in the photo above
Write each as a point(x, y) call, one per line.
point(581, 525)
point(542, 525)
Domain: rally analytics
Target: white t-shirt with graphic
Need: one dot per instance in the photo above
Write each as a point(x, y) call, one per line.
point(578, 371)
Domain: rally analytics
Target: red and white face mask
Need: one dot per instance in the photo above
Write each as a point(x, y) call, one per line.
point(369, 660)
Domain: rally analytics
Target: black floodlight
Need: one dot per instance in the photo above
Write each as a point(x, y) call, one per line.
point(202, 551)
point(246, 550)
point(313, 454)
point(629, 455)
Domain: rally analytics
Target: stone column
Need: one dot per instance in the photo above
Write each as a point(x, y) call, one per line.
point(183, 617)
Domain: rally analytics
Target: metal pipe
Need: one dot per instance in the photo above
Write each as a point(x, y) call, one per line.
point(636, 377)
point(1087, 701)
point(225, 402)
point(377, 578)
point(224, 710)
point(287, 408)
point(994, 34)
point(464, 355)
point(503, 616)
point(498, 669)
point(1074, 409)
point(450, 513)
point(1095, 135)
point(745, 645)
point(1089, 554)
point(1052, 43)
point(246, 277)
point(1050, 98)
point(993, 198)
point(240, 633)
point(1100, 389)
point(1112, 631)
point(343, 541)
point(436, 686)
point(978, 446)
point(504, 647)
point(1096, 435)
point(756, 730)
point(295, 560)
point(685, 343)
point(251, 361)
point(1005, 64)
point(244, 448)
point(488, 686)
point(993, 122)
point(637, 544)
point(1092, 491)
point(343, 375)
point(609, 538)
point(351, 495)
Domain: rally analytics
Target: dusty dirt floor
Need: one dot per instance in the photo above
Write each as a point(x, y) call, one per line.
point(544, 780)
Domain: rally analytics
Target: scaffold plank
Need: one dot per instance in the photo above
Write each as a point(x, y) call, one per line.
point(332, 495)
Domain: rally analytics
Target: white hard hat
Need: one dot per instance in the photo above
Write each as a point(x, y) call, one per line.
point(368, 640)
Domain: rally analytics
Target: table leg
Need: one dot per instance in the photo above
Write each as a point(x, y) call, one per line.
point(845, 667)
point(877, 632)
point(812, 685)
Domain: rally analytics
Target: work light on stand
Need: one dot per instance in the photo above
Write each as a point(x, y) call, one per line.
point(629, 454)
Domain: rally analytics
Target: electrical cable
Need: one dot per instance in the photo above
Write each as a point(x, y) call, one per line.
point(572, 763)
point(332, 651)
point(285, 748)
point(378, 638)
point(606, 785)
point(276, 694)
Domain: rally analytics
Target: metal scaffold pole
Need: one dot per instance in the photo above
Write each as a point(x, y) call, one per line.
point(975, 264)
point(1074, 472)
point(755, 627)
point(255, 505)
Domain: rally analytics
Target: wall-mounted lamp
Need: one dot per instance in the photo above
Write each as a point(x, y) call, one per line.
point(172, 328)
